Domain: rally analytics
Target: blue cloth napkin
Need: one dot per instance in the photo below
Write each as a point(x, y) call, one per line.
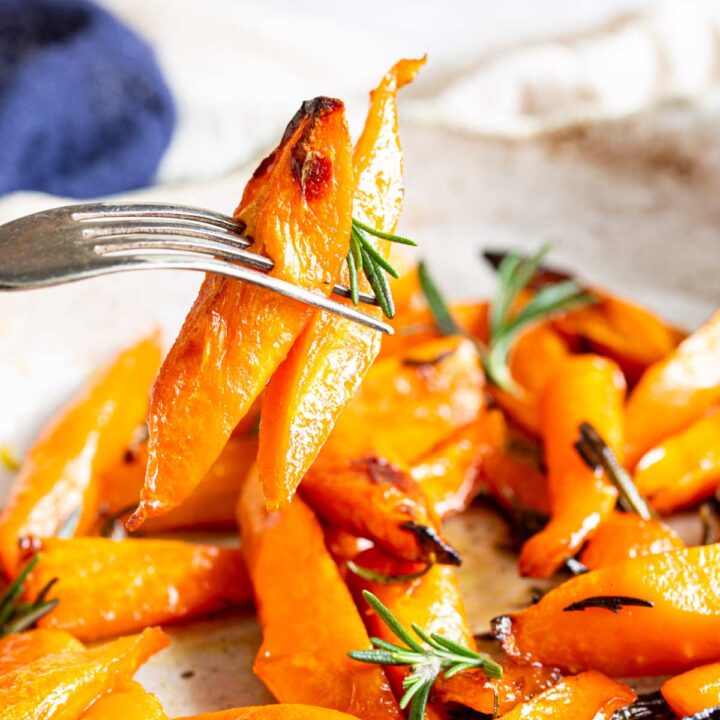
point(84, 109)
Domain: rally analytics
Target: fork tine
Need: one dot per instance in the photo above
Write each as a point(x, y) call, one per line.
point(158, 258)
point(106, 211)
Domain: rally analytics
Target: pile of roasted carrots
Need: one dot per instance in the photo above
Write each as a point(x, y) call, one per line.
point(584, 419)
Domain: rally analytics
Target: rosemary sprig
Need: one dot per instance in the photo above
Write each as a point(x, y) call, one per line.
point(363, 257)
point(598, 456)
point(515, 273)
point(428, 658)
point(15, 615)
point(386, 578)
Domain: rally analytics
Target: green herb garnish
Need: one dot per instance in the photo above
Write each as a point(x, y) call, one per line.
point(364, 257)
point(15, 615)
point(438, 655)
point(598, 456)
point(385, 578)
point(515, 274)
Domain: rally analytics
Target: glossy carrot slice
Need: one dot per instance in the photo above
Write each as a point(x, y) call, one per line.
point(61, 474)
point(693, 691)
point(588, 696)
point(297, 207)
point(623, 536)
point(685, 468)
point(675, 391)
point(327, 363)
point(519, 683)
point(435, 389)
point(308, 616)
point(449, 475)
point(374, 499)
point(210, 506)
point(589, 389)
point(131, 702)
point(432, 601)
point(111, 587)
point(19, 649)
point(62, 686)
point(625, 332)
point(274, 712)
point(578, 626)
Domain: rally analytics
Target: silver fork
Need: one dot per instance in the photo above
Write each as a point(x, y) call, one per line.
point(76, 242)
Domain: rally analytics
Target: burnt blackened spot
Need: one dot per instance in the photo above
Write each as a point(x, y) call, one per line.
point(312, 171)
point(613, 603)
point(382, 472)
point(427, 362)
point(432, 544)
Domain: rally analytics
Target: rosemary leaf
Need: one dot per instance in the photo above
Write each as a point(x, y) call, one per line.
point(384, 578)
point(438, 307)
point(383, 235)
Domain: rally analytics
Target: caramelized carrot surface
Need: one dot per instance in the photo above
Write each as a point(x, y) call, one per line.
point(623, 536)
point(685, 468)
point(436, 388)
point(675, 391)
point(308, 617)
point(327, 363)
point(584, 389)
point(588, 696)
point(274, 712)
point(60, 476)
point(449, 475)
point(18, 649)
point(622, 330)
point(374, 499)
point(62, 686)
point(297, 208)
point(129, 702)
point(693, 691)
point(210, 506)
point(111, 587)
point(625, 620)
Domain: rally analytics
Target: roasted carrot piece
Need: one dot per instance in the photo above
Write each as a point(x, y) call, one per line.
point(588, 389)
point(210, 506)
point(675, 391)
point(131, 702)
point(308, 616)
point(449, 474)
point(327, 363)
point(472, 688)
point(625, 332)
point(374, 499)
point(110, 587)
point(19, 649)
point(62, 686)
point(623, 536)
point(61, 474)
point(625, 620)
point(432, 601)
point(685, 468)
point(435, 388)
point(274, 712)
point(693, 691)
point(297, 207)
point(588, 696)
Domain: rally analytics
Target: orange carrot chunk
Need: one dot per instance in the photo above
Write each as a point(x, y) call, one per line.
point(327, 363)
point(297, 208)
point(111, 587)
point(62, 686)
point(274, 712)
point(130, 702)
point(18, 649)
point(693, 691)
point(625, 620)
point(61, 475)
point(308, 617)
point(675, 391)
point(587, 389)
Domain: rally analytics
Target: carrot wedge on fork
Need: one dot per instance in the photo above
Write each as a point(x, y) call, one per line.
point(308, 617)
point(297, 208)
point(60, 479)
point(327, 363)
